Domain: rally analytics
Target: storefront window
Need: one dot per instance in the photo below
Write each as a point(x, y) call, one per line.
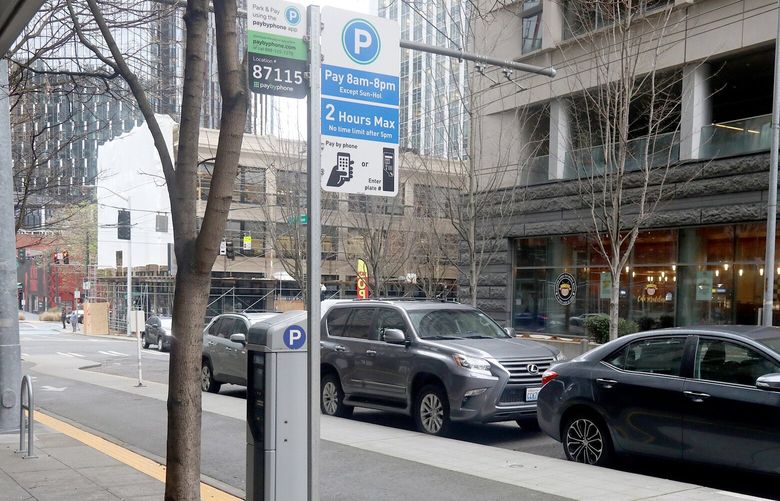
point(687, 276)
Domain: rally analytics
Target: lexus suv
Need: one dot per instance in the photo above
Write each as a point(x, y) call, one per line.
point(438, 362)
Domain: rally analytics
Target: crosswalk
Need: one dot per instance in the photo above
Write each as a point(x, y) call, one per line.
point(109, 353)
point(113, 353)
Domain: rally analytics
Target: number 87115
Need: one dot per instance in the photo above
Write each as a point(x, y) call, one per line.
point(277, 74)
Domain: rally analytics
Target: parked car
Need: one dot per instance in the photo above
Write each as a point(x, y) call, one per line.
point(158, 331)
point(698, 394)
point(224, 349)
point(438, 362)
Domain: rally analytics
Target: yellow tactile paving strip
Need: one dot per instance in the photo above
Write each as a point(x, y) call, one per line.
point(140, 463)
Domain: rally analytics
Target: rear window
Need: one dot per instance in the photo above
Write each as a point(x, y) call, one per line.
point(655, 356)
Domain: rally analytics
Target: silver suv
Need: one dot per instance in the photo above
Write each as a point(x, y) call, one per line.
point(438, 362)
point(224, 349)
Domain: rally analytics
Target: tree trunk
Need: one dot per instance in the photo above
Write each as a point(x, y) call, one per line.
point(614, 304)
point(184, 394)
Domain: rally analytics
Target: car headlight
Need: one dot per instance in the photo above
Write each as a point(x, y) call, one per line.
point(473, 364)
point(559, 357)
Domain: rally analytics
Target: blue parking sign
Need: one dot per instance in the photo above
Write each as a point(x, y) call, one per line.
point(294, 337)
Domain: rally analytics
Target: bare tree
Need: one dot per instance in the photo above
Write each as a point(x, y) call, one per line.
point(196, 249)
point(624, 121)
point(381, 233)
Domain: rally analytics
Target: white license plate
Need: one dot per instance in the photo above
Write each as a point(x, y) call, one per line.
point(532, 394)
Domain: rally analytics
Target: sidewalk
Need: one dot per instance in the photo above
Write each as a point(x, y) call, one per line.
point(372, 463)
point(67, 470)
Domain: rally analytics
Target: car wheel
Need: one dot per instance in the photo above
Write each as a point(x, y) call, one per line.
point(586, 440)
point(528, 424)
point(432, 411)
point(207, 382)
point(332, 397)
point(144, 341)
point(160, 344)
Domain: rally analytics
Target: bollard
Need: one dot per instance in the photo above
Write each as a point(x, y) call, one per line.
point(26, 385)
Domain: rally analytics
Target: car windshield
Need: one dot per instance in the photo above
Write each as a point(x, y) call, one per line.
point(455, 324)
point(773, 343)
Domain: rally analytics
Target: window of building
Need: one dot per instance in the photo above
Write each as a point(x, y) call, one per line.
point(583, 17)
point(532, 25)
point(330, 243)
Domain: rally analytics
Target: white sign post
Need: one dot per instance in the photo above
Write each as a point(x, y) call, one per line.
point(359, 105)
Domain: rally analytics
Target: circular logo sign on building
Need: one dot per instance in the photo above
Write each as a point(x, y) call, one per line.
point(651, 289)
point(361, 41)
point(565, 289)
point(294, 337)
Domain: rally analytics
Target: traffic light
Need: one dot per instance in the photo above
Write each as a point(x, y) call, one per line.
point(21, 255)
point(65, 258)
point(229, 251)
point(56, 258)
point(123, 225)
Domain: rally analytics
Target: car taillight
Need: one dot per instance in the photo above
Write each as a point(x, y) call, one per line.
point(548, 376)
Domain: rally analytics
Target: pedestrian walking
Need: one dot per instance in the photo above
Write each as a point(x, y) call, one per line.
point(74, 320)
point(63, 317)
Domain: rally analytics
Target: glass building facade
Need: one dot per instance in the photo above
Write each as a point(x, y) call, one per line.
point(674, 277)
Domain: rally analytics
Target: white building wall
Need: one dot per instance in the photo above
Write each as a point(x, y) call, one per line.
point(129, 168)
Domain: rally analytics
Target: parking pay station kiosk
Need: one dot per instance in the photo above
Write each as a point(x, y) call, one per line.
point(276, 448)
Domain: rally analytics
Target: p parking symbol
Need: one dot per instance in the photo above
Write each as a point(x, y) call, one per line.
point(361, 41)
point(292, 15)
point(294, 337)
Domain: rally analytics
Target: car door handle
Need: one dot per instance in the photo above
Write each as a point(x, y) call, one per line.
point(606, 383)
point(340, 347)
point(696, 396)
point(371, 353)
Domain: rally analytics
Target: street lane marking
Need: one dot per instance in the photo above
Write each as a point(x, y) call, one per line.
point(136, 461)
point(70, 354)
point(113, 353)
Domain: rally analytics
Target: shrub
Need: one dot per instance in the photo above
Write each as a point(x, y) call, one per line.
point(598, 327)
point(52, 315)
point(646, 323)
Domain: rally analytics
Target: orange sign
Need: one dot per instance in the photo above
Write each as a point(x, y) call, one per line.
point(362, 277)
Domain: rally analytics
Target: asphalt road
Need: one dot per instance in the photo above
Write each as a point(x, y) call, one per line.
point(139, 423)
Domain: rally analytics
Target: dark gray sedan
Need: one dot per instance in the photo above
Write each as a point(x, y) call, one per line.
point(697, 394)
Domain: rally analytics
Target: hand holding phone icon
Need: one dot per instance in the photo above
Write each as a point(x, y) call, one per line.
point(342, 171)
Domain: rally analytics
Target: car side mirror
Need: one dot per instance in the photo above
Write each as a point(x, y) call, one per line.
point(238, 338)
point(394, 336)
point(509, 331)
point(770, 382)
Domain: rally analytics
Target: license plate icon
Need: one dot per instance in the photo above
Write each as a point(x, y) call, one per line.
point(532, 394)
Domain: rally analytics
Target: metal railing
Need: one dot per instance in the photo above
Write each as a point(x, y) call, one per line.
point(30, 406)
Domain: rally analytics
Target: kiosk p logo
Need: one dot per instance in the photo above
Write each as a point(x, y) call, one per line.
point(361, 41)
point(294, 337)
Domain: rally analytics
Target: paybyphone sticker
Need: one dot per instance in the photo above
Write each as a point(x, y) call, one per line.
point(294, 337)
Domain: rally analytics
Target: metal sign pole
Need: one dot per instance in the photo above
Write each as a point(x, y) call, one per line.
point(313, 255)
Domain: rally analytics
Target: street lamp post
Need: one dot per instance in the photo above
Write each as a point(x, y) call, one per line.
point(129, 275)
